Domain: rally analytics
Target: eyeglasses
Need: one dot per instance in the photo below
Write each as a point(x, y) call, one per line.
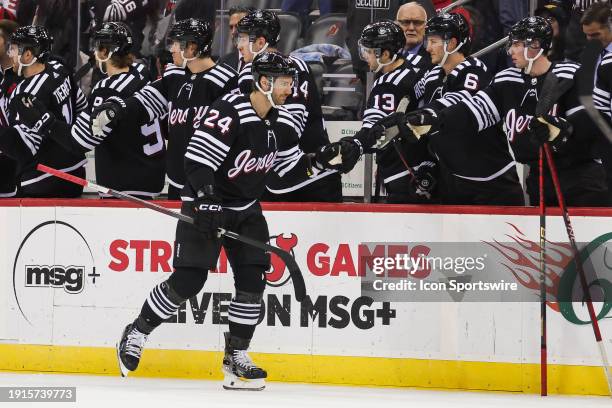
point(408, 22)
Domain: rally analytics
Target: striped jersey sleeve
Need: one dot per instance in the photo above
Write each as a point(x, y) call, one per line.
point(210, 144)
point(483, 105)
point(81, 100)
point(602, 97)
point(289, 153)
point(571, 103)
point(245, 78)
point(153, 97)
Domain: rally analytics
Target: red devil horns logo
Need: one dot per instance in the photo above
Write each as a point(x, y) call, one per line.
point(278, 266)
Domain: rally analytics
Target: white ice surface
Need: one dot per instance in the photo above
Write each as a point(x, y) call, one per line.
point(115, 392)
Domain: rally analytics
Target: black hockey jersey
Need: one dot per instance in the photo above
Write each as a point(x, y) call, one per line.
point(183, 97)
point(55, 88)
point(305, 107)
point(130, 157)
point(465, 155)
point(387, 91)
point(241, 148)
point(603, 86)
point(8, 166)
point(511, 99)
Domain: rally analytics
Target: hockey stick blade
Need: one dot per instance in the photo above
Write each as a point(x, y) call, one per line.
point(294, 270)
point(296, 275)
point(586, 79)
point(393, 131)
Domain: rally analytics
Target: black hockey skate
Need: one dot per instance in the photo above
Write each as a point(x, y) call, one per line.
point(240, 371)
point(129, 349)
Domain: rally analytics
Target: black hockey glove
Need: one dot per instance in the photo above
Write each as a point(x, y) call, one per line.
point(425, 180)
point(33, 114)
point(422, 122)
point(341, 156)
point(547, 128)
point(208, 212)
point(107, 114)
point(394, 125)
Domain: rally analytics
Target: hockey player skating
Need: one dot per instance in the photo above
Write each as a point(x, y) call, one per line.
point(473, 169)
point(127, 148)
point(240, 140)
point(182, 96)
point(260, 31)
point(511, 98)
point(51, 83)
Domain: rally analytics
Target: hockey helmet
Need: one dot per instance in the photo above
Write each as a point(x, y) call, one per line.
point(272, 65)
point(451, 25)
point(116, 37)
point(381, 36)
point(530, 29)
point(261, 23)
point(34, 38)
point(193, 30)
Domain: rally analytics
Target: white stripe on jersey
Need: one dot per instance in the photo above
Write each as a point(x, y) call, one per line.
point(81, 132)
point(484, 110)
point(214, 79)
point(286, 160)
point(229, 97)
point(301, 65)
point(153, 101)
point(30, 139)
point(81, 101)
point(371, 116)
point(207, 148)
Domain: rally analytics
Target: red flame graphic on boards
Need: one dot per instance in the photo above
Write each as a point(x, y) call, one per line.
point(525, 264)
point(278, 265)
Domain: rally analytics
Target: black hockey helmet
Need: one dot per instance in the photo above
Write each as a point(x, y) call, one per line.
point(193, 30)
point(34, 38)
point(381, 36)
point(532, 28)
point(451, 25)
point(116, 37)
point(260, 23)
point(272, 64)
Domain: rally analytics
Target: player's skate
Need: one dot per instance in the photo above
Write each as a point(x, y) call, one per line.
point(240, 371)
point(129, 349)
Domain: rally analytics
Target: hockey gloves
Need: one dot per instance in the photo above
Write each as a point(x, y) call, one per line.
point(107, 114)
point(547, 128)
point(34, 114)
point(422, 122)
point(341, 156)
point(208, 212)
point(393, 125)
point(424, 180)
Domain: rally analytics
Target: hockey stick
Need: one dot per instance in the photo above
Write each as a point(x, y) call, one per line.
point(586, 79)
point(489, 48)
point(543, 347)
point(294, 270)
point(552, 89)
point(579, 267)
point(452, 6)
point(392, 131)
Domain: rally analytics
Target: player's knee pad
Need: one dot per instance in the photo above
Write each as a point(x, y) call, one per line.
point(250, 278)
point(187, 282)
